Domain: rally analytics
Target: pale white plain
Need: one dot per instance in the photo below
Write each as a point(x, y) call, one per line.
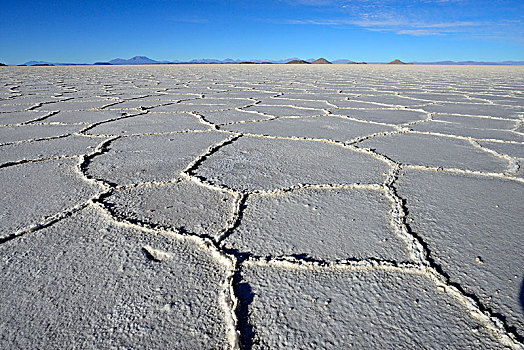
point(262, 206)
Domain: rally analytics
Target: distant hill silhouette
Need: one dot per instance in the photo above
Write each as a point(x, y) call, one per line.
point(261, 61)
point(321, 61)
point(44, 63)
point(397, 61)
point(204, 60)
point(2, 65)
point(286, 60)
point(297, 62)
point(253, 62)
point(136, 60)
point(36, 63)
point(351, 62)
point(340, 61)
point(102, 64)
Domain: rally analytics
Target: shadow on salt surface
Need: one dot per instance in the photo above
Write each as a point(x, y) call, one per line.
point(245, 295)
point(521, 297)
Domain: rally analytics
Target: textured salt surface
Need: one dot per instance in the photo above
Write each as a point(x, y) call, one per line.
point(92, 283)
point(470, 225)
point(228, 206)
point(361, 309)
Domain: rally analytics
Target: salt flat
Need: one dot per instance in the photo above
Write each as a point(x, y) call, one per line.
point(262, 206)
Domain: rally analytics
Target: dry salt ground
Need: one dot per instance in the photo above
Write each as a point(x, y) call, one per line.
point(263, 207)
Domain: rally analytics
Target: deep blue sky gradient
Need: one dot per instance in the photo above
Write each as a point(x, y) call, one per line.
point(360, 30)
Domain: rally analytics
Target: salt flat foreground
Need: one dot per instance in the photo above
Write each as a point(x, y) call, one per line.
point(227, 206)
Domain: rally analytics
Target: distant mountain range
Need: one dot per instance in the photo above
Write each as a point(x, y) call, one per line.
point(476, 63)
point(145, 60)
point(137, 60)
point(43, 63)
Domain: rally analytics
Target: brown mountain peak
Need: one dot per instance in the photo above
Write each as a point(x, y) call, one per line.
point(321, 61)
point(297, 62)
point(397, 61)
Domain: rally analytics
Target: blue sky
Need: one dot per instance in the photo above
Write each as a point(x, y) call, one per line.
point(360, 30)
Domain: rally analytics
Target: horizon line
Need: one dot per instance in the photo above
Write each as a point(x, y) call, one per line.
point(144, 60)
